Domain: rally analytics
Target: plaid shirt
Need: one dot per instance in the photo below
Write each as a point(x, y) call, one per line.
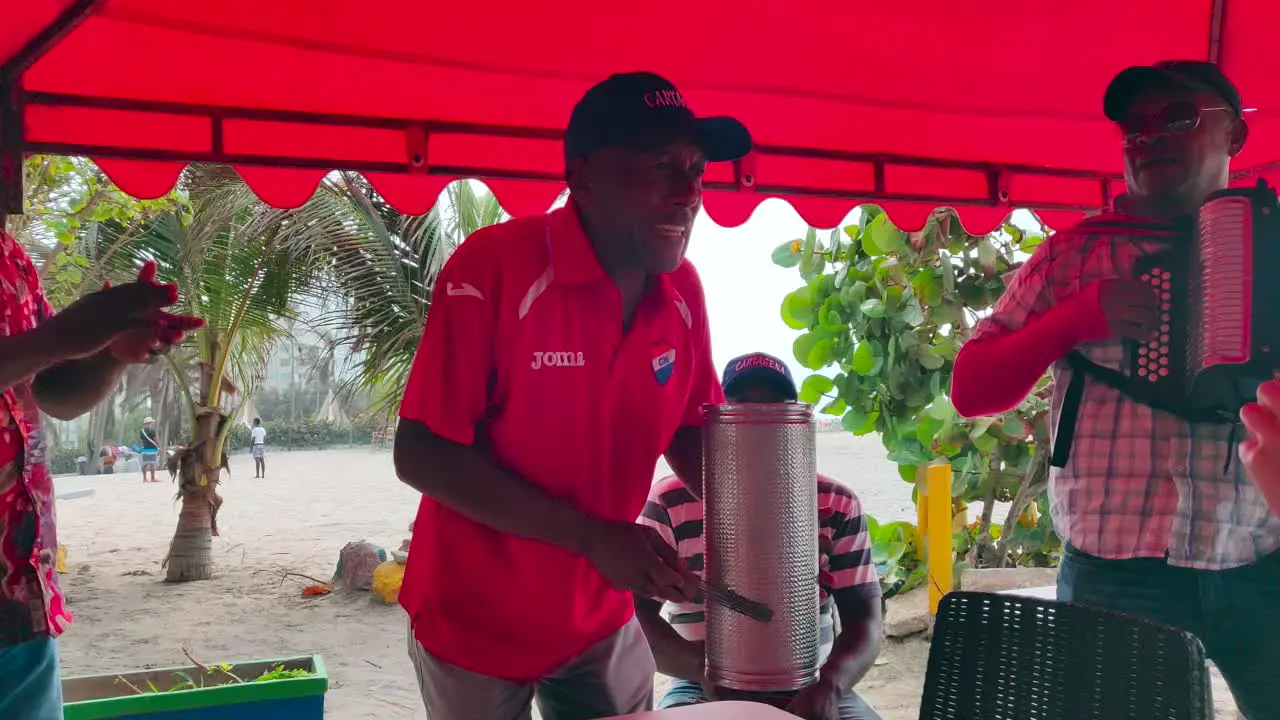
point(30, 601)
point(1139, 482)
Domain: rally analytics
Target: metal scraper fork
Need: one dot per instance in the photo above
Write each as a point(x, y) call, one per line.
point(724, 596)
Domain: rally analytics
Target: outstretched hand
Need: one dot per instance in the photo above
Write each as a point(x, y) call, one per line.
point(160, 332)
point(1260, 452)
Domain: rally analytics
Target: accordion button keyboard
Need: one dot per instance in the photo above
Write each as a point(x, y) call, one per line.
point(1153, 355)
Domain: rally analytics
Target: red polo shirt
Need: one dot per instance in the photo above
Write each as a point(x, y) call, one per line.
point(524, 346)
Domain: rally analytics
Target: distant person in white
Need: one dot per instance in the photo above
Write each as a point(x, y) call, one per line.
point(258, 448)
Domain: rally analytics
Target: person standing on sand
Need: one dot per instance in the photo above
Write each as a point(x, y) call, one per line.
point(62, 365)
point(563, 355)
point(149, 449)
point(847, 579)
point(107, 456)
point(258, 448)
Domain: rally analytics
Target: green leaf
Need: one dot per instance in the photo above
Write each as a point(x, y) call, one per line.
point(930, 361)
point(987, 255)
point(802, 346)
point(986, 443)
point(908, 472)
point(941, 409)
point(863, 359)
point(858, 422)
point(829, 316)
point(787, 254)
point(980, 427)
point(797, 309)
point(883, 236)
point(811, 261)
point(870, 233)
point(841, 275)
point(908, 455)
point(935, 383)
point(927, 429)
point(814, 387)
point(927, 286)
point(853, 295)
point(912, 314)
point(835, 407)
point(1030, 242)
point(821, 354)
point(873, 308)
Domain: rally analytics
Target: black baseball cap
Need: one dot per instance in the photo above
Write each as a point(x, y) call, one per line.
point(1192, 75)
point(758, 368)
point(642, 109)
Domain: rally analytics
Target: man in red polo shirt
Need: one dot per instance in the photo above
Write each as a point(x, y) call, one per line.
point(563, 355)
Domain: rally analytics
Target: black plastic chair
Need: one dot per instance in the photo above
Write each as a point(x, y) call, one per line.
point(1007, 657)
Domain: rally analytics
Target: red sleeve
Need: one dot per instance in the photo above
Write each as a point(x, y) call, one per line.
point(1027, 332)
point(705, 388)
point(448, 385)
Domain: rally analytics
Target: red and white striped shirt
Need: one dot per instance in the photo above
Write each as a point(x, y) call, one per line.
point(844, 549)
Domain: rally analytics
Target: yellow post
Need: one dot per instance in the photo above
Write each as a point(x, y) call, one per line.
point(922, 512)
point(937, 532)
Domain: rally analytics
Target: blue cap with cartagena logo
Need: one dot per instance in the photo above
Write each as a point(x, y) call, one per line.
point(758, 368)
point(642, 110)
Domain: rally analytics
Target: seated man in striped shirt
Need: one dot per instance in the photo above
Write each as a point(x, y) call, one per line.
point(850, 587)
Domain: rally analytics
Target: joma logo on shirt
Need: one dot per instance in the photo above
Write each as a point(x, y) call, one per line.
point(556, 359)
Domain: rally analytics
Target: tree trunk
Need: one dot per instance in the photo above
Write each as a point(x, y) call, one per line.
point(191, 552)
point(199, 468)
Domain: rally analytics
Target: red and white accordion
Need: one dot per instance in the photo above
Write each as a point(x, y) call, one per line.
point(1220, 320)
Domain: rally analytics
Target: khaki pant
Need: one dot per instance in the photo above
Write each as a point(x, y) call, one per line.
point(612, 677)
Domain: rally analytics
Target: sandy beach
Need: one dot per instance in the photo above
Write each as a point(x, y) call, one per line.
point(297, 520)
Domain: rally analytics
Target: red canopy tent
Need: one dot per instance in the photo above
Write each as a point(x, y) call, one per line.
point(985, 106)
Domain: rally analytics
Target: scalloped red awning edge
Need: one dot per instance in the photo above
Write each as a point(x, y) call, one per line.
point(416, 194)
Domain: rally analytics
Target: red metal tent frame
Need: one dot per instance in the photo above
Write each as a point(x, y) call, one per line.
point(910, 105)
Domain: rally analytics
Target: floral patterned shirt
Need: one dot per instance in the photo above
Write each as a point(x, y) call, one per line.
point(30, 602)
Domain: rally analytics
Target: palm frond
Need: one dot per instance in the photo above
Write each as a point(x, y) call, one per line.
point(226, 251)
point(383, 266)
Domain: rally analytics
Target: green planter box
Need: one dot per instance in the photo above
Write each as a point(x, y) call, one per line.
point(98, 697)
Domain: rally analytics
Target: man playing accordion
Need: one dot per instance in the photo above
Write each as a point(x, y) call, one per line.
point(1157, 513)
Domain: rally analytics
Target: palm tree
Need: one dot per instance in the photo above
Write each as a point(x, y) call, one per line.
point(384, 265)
point(229, 254)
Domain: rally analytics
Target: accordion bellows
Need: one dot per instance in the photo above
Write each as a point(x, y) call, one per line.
point(760, 492)
point(1220, 321)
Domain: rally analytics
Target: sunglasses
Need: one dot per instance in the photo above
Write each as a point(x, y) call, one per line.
point(1178, 118)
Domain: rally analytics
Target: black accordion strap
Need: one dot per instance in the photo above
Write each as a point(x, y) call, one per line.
point(1066, 431)
point(1083, 368)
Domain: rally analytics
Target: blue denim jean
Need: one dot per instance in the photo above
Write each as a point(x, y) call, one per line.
point(30, 684)
point(1235, 613)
